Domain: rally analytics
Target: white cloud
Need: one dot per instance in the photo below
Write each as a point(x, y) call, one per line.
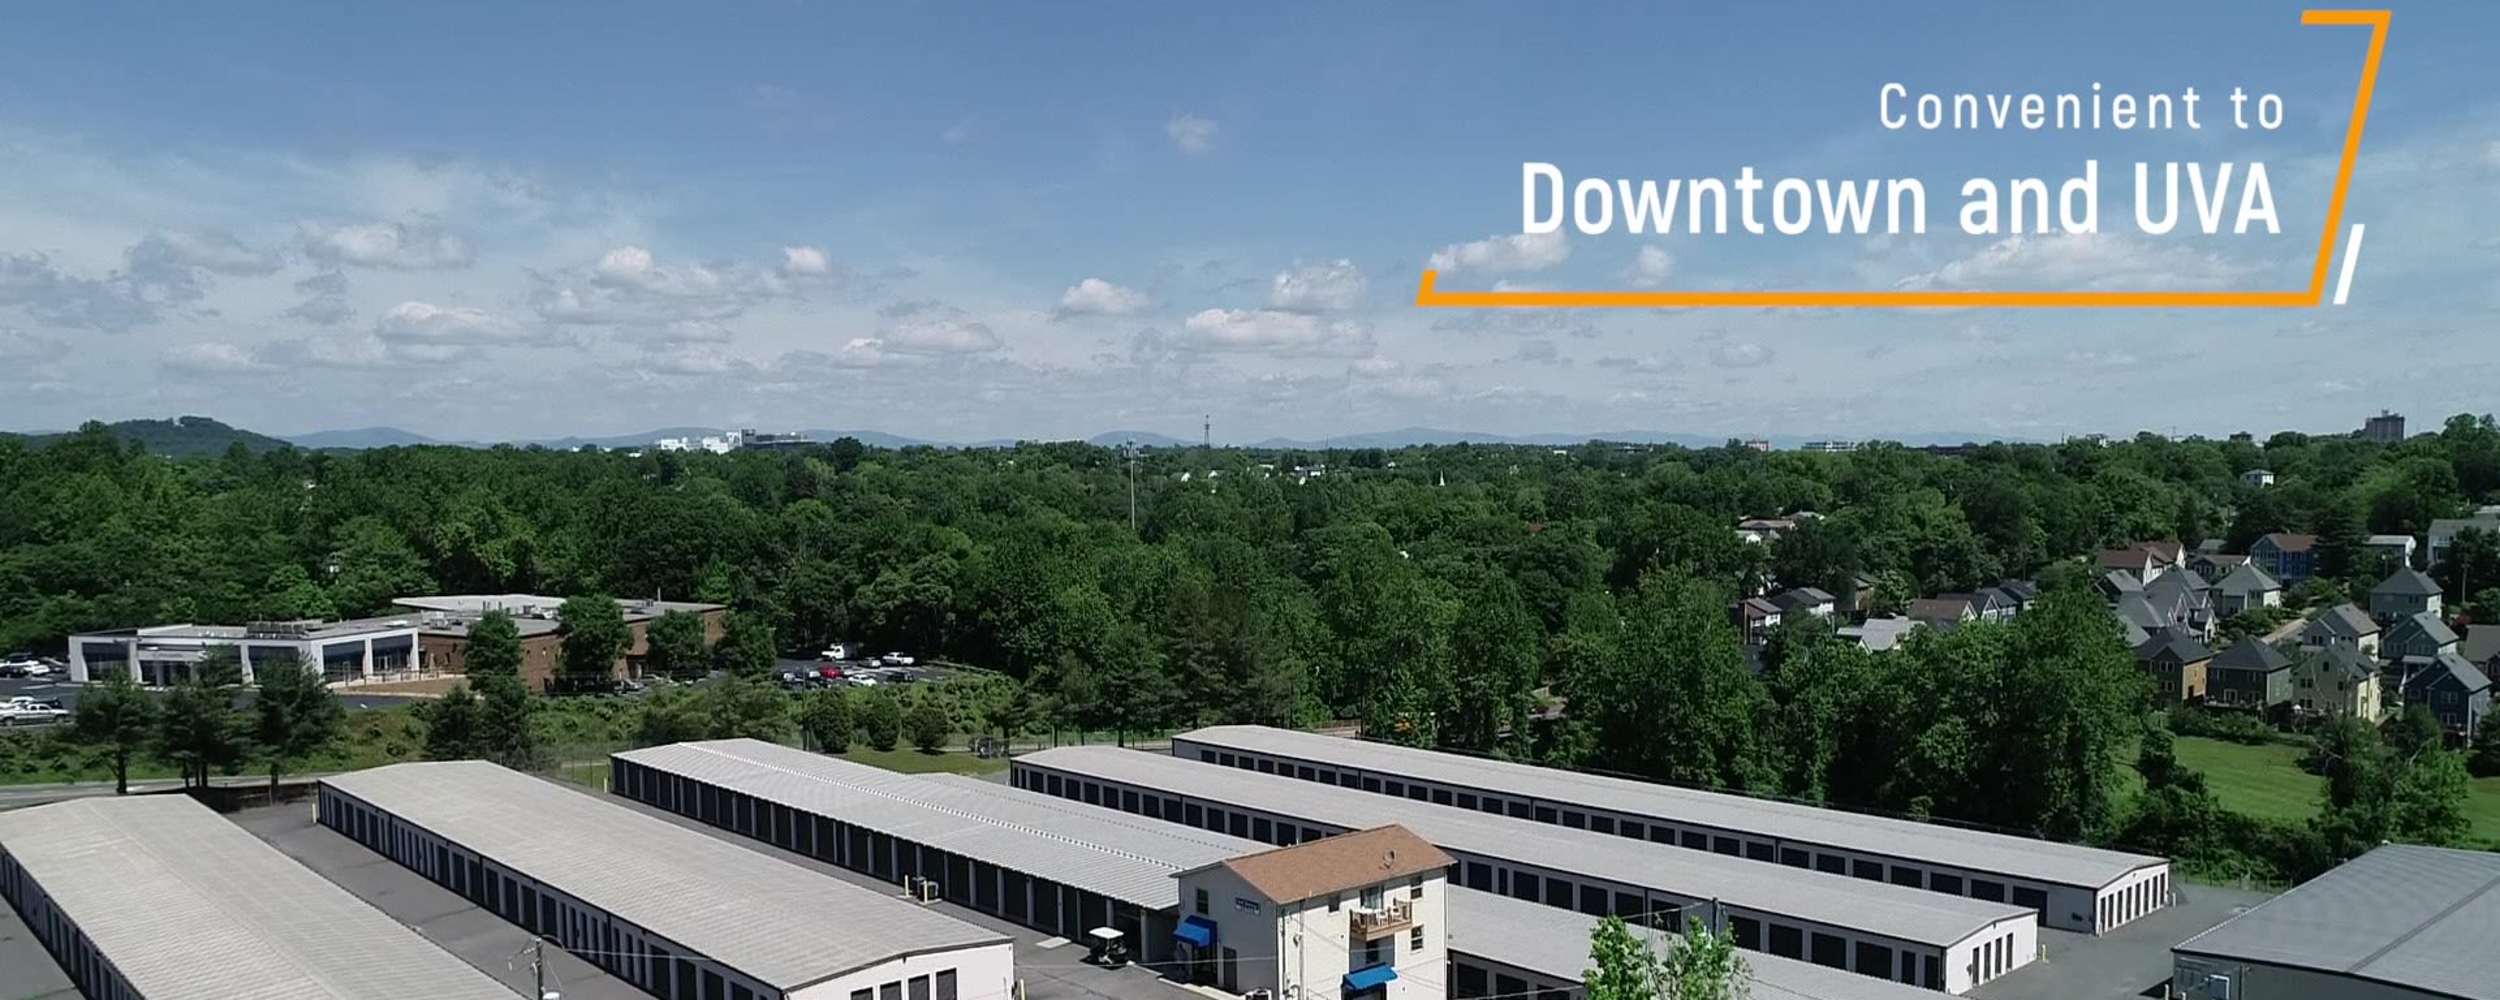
point(1740, 354)
point(1096, 297)
point(1650, 267)
point(1375, 367)
point(211, 357)
point(2081, 260)
point(1192, 134)
point(690, 361)
point(931, 328)
point(386, 245)
point(1324, 287)
point(206, 250)
point(17, 347)
point(426, 323)
point(1274, 331)
point(806, 261)
point(1504, 252)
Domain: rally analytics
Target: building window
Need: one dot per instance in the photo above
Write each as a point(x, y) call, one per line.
point(1830, 950)
point(1201, 898)
point(1415, 940)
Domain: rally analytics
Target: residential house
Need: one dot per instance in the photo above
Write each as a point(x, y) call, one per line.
point(2169, 553)
point(1876, 635)
point(1862, 594)
point(1803, 601)
point(2250, 674)
point(2457, 692)
point(2185, 598)
point(1755, 618)
point(2337, 682)
point(2481, 646)
point(2021, 593)
point(2215, 566)
point(2419, 636)
point(1940, 612)
point(2244, 588)
point(2444, 531)
point(2134, 610)
point(2405, 592)
point(2342, 625)
point(2287, 557)
point(1987, 604)
point(2178, 663)
point(2400, 548)
point(2257, 479)
point(1358, 916)
point(2116, 584)
point(2133, 560)
point(1764, 530)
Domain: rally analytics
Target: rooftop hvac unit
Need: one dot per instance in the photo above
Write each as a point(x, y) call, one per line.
point(2218, 987)
point(928, 891)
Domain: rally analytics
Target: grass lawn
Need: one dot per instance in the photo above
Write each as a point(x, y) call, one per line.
point(2264, 780)
point(910, 761)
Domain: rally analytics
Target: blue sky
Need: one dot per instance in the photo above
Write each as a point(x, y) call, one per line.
point(966, 222)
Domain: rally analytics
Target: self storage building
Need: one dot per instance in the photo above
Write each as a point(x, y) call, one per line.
point(1873, 928)
point(155, 897)
point(2072, 887)
point(674, 911)
point(1016, 842)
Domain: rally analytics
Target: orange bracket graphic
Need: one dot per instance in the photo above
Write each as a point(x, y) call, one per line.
point(1429, 296)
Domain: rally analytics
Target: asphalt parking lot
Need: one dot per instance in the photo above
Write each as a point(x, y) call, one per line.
point(48, 688)
point(2132, 961)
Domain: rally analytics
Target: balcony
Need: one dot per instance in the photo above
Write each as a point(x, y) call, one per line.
point(1375, 922)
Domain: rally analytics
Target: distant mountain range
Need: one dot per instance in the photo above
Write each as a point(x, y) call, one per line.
point(179, 437)
point(203, 436)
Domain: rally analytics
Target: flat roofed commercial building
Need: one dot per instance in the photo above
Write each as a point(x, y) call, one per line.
point(1908, 935)
point(160, 655)
point(157, 897)
point(2398, 923)
point(2073, 887)
point(1052, 840)
point(680, 914)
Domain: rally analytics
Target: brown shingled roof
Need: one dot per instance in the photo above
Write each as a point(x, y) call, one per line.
point(1342, 863)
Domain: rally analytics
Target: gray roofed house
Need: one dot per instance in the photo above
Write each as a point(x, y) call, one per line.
point(2418, 635)
point(2404, 592)
point(789, 928)
point(2178, 663)
point(2117, 583)
point(2185, 598)
point(2213, 566)
point(1986, 604)
point(2457, 692)
point(2249, 674)
point(1876, 635)
point(2339, 681)
point(2418, 919)
point(2342, 624)
point(2137, 611)
point(184, 905)
point(2481, 645)
point(1808, 600)
point(2246, 587)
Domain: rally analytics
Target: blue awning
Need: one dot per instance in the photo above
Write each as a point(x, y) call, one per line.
point(1369, 977)
point(1197, 932)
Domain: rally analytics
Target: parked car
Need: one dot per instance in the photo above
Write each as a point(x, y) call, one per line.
point(898, 659)
point(830, 671)
point(25, 711)
point(24, 665)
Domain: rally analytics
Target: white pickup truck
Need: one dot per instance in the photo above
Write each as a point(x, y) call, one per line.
point(25, 711)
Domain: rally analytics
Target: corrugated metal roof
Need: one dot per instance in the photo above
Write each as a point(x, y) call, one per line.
point(979, 820)
point(1555, 942)
point(2420, 917)
point(190, 907)
point(1875, 908)
point(768, 918)
point(1928, 843)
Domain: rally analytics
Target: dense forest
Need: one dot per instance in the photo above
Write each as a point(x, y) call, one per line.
point(1453, 595)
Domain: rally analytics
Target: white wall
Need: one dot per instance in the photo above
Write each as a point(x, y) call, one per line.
point(1303, 950)
point(987, 972)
